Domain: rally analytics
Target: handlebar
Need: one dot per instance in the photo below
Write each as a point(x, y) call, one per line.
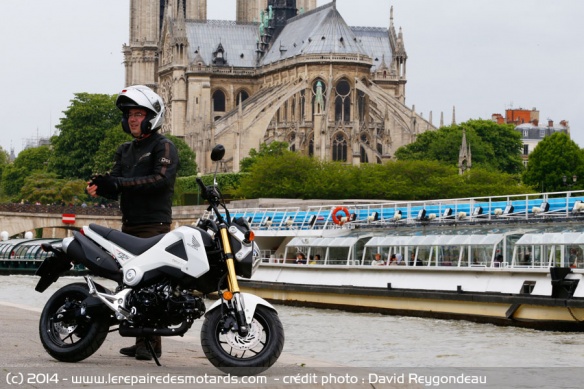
point(213, 196)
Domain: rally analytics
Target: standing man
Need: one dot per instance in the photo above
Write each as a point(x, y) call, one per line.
point(143, 176)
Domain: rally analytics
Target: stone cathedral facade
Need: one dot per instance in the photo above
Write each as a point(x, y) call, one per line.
point(285, 70)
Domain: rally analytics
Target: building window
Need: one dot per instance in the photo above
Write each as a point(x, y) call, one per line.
point(339, 148)
point(525, 149)
point(364, 157)
point(343, 101)
point(292, 141)
point(242, 96)
point(361, 105)
point(302, 104)
point(219, 101)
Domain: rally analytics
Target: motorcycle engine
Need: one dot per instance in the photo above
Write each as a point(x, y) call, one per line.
point(162, 305)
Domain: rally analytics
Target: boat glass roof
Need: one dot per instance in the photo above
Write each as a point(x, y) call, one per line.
point(436, 240)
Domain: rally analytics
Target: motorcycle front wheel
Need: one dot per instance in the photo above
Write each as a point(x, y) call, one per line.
point(66, 333)
point(249, 355)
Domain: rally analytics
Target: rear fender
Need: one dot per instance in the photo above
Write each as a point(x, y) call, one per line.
point(51, 269)
point(251, 301)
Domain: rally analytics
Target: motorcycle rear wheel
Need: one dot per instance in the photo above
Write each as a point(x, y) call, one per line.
point(250, 355)
point(76, 338)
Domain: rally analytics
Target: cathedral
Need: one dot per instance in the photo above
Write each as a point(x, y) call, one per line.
point(284, 70)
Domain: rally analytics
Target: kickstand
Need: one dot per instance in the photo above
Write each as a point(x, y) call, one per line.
point(151, 350)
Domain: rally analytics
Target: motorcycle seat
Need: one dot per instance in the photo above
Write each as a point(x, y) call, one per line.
point(131, 243)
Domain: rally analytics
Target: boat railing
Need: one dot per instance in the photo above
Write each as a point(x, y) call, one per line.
point(353, 214)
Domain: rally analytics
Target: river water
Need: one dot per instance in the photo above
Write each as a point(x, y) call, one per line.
point(379, 341)
point(366, 340)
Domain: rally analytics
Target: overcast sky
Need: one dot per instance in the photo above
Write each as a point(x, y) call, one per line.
point(481, 56)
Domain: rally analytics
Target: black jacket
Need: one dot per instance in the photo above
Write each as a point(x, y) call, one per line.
point(147, 170)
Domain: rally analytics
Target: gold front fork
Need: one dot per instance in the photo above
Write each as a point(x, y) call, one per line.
point(231, 277)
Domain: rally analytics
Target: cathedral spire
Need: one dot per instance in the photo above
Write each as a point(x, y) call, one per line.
point(464, 155)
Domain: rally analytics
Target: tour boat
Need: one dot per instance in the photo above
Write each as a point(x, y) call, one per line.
point(515, 260)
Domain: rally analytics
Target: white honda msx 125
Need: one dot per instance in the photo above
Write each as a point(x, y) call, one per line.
point(161, 286)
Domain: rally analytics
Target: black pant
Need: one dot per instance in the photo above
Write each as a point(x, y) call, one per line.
point(146, 230)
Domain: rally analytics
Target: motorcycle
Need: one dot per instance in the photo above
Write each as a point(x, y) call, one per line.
point(161, 285)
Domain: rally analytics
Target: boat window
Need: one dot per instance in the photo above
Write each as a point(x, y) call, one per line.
point(448, 255)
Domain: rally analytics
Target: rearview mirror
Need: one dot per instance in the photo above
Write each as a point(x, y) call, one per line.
point(217, 153)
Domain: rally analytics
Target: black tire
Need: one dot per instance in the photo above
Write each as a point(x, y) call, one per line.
point(251, 355)
point(74, 339)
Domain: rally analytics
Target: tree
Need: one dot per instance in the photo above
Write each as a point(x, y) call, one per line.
point(81, 131)
point(506, 143)
point(47, 188)
point(4, 159)
point(187, 159)
point(275, 148)
point(280, 176)
point(496, 146)
point(554, 157)
point(29, 161)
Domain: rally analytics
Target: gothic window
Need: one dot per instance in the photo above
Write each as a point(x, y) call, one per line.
point(302, 105)
point(292, 141)
point(219, 101)
point(364, 158)
point(339, 148)
point(361, 105)
point(364, 138)
point(242, 96)
point(284, 109)
point(311, 144)
point(343, 101)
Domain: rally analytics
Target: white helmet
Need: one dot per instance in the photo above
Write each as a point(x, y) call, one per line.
point(140, 96)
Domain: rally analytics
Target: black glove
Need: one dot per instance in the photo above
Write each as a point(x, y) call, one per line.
point(107, 186)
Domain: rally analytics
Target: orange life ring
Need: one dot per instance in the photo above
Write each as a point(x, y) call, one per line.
point(336, 220)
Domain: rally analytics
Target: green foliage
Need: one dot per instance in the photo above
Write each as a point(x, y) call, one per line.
point(295, 176)
point(187, 165)
point(227, 182)
point(506, 144)
point(29, 161)
point(81, 131)
point(4, 160)
point(47, 188)
point(13, 180)
point(554, 157)
point(495, 146)
point(280, 176)
point(273, 149)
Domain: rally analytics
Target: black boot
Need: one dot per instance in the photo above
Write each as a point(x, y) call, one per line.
point(142, 353)
point(129, 351)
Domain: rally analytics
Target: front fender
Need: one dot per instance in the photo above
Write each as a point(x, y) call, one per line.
point(250, 301)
